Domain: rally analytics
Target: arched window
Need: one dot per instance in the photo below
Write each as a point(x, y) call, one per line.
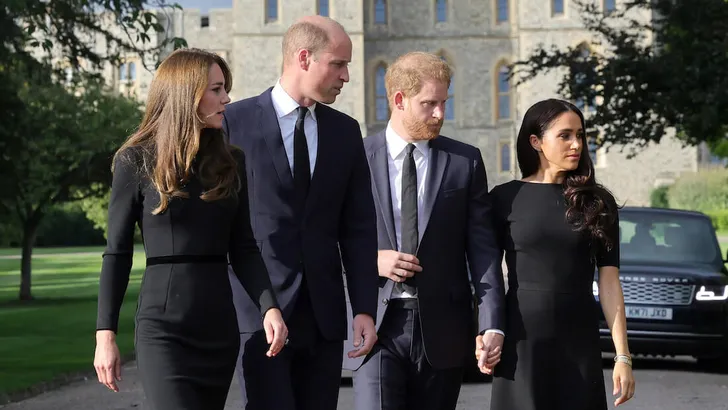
point(503, 93)
point(586, 105)
point(381, 104)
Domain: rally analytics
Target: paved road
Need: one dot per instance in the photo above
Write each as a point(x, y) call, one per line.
point(661, 385)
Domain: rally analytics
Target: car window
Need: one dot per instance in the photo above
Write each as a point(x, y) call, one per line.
point(646, 237)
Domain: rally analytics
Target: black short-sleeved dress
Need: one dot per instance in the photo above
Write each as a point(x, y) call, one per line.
point(187, 338)
point(551, 358)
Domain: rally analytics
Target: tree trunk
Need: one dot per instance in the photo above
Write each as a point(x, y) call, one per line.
point(30, 229)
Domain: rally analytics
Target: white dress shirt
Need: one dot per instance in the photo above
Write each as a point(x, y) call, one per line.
point(396, 150)
point(286, 111)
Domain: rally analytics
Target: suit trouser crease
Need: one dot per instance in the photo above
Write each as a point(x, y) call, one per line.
point(397, 375)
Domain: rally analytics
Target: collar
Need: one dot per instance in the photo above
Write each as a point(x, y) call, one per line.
point(284, 104)
point(396, 144)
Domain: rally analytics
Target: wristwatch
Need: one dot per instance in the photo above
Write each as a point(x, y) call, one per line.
point(624, 359)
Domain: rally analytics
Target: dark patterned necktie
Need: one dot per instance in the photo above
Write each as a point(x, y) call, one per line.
point(408, 225)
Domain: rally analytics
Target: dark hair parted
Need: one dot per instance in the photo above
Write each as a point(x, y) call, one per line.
point(589, 206)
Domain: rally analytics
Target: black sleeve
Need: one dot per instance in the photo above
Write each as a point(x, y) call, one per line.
point(358, 234)
point(245, 258)
point(125, 207)
point(484, 252)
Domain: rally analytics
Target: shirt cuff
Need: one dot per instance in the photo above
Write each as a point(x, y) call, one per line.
point(500, 332)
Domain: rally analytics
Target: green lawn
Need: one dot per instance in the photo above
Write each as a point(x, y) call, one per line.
point(48, 251)
point(54, 334)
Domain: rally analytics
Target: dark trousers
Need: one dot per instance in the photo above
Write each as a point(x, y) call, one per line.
point(396, 374)
point(305, 375)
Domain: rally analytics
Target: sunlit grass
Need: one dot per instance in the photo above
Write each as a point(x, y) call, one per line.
point(53, 335)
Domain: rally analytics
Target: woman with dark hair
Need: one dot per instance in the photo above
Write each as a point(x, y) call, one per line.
point(185, 186)
point(555, 225)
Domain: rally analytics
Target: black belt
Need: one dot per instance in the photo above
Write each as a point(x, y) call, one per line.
point(163, 260)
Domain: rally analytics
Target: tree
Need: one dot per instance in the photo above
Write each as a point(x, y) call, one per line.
point(62, 150)
point(70, 28)
point(643, 87)
point(55, 143)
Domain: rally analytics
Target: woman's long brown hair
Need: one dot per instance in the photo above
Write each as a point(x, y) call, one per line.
point(172, 133)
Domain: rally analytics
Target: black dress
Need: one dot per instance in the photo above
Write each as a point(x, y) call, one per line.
point(551, 358)
point(187, 338)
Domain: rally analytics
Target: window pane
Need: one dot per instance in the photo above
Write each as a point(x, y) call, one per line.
point(450, 103)
point(504, 106)
point(272, 12)
point(504, 85)
point(558, 6)
point(505, 155)
point(610, 5)
point(502, 10)
point(381, 90)
point(382, 109)
point(132, 71)
point(441, 8)
point(122, 72)
point(323, 8)
point(380, 11)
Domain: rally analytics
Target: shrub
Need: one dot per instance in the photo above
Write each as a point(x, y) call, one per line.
point(706, 190)
point(659, 197)
point(719, 218)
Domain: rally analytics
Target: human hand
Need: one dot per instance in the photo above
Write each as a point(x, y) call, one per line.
point(488, 348)
point(276, 331)
point(107, 360)
point(365, 335)
point(623, 380)
point(397, 266)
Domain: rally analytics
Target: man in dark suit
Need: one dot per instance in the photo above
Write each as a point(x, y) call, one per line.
point(312, 211)
point(433, 223)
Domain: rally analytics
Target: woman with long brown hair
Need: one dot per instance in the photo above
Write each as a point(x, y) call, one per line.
point(178, 178)
point(556, 225)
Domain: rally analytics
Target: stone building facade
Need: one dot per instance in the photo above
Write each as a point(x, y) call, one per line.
point(478, 38)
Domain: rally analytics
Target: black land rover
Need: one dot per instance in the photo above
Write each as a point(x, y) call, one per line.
point(675, 286)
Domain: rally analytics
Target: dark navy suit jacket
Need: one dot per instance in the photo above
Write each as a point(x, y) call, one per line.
point(337, 226)
point(458, 236)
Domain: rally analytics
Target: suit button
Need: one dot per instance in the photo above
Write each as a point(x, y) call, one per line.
point(385, 301)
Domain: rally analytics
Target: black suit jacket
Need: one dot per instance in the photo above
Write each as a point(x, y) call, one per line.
point(338, 223)
point(458, 236)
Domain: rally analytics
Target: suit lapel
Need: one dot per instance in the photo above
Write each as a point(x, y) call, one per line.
point(268, 126)
point(438, 163)
point(382, 190)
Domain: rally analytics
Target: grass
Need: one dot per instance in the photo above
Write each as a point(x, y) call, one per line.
point(49, 251)
point(53, 335)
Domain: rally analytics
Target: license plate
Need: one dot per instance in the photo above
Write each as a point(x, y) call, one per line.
point(643, 312)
